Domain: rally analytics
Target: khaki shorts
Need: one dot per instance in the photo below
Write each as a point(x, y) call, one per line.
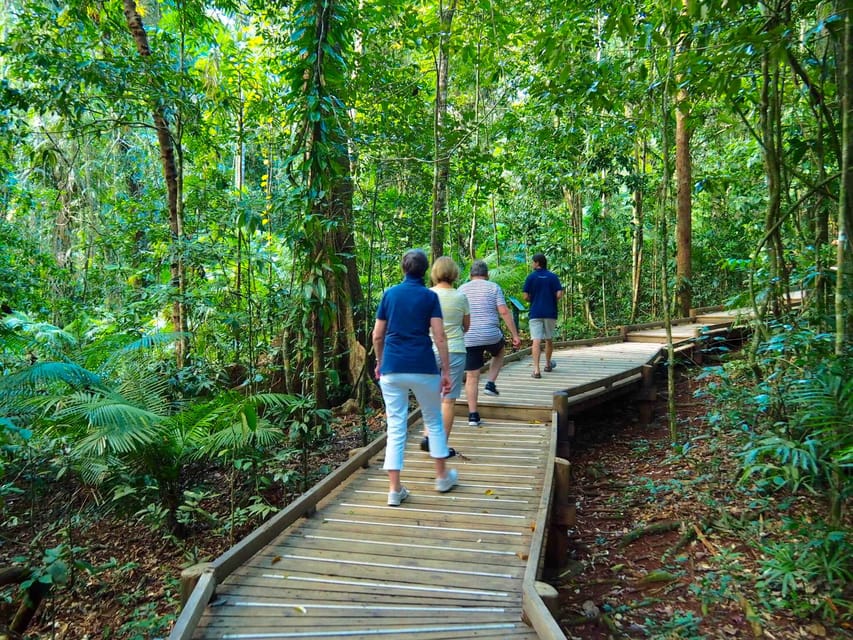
point(542, 328)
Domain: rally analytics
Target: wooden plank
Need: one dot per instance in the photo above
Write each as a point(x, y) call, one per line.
point(435, 631)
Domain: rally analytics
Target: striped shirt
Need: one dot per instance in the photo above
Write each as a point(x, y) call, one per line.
point(484, 297)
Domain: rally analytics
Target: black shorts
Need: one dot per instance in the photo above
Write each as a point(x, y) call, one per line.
point(475, 356)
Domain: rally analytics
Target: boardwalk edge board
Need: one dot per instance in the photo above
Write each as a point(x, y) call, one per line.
point(533, 607)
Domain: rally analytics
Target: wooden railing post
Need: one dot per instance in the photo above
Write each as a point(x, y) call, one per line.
point(189, 579)
point(565, 426)
point(562, 517)
point(648, 394)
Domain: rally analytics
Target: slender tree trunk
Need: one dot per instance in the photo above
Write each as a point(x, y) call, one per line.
point(663, 213)
point(844, 256)
point(684, 216)
point(769, 111)
point(684, 195)
point(573, 201)
point(171, 176)
point(637, 222)
point(441, 173)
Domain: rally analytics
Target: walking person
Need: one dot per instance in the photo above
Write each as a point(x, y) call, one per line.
point(488, 306)
point(456, 319)
point(542, 289)
point(404, 362)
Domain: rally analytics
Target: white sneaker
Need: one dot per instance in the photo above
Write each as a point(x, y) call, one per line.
point(396, 497)
point(445, 484)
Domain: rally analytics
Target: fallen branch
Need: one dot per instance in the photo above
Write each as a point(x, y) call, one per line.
point(656, 527)
point(686, 538)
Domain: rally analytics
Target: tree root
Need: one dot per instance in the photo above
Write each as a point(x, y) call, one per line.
point(657, 527)
point(686, 538)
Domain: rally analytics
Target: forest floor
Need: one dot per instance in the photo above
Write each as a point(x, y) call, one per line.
point(660, 549)
point(627, 479)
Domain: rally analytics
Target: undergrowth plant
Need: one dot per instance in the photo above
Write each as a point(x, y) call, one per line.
point(808, 571)
point(794, 424)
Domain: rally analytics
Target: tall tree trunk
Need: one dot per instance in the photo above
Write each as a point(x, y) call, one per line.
point(684, 215)
point(337, 336)
point(664, 262)
point(684, 195)
point(441, 173)
point(350, 350)
point(844, 255)
point(637, 222)
point(170, 174)
point(769, 112)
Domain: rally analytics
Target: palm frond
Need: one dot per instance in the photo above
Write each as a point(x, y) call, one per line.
point(273, 400)
point(146, 389)
point(41, 337)
point(823, 402)
point(244, 433)
point(45, 374)
point(113, 425)
point(131, 352)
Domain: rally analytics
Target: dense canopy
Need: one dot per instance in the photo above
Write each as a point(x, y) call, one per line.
point(202, 202)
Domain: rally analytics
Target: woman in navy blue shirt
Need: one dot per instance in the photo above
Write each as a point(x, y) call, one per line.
point(405, 361)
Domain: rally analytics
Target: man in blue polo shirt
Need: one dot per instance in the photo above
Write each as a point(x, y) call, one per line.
point(542, 289)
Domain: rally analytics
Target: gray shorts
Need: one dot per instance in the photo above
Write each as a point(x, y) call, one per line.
point(542, 328)
point(457, 368)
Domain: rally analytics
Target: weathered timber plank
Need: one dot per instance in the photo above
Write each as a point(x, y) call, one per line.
point(417, 567)
point(436, 631)
point(338, 605)
point(293, 619)
point(480, 551)
point(365, 594)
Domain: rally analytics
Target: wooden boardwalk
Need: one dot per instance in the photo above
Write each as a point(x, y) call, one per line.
point(339, 563)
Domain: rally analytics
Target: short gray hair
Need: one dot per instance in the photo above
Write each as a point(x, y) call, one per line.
point(479, 268)
point(415, 263)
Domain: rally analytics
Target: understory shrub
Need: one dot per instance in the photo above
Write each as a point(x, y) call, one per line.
point(794, 423)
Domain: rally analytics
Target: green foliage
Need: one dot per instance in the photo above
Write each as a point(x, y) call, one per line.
point(684, 625)
point(804, 407)
point(794, 423)
point(808, 572)
point(145, 622)
point(120, 427)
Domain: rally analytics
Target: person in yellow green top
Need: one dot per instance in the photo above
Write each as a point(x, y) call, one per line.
point(457, 318)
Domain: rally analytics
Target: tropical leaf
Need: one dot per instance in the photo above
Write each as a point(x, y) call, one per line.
point(44, 374)
point(40, 338)
point(112, 424)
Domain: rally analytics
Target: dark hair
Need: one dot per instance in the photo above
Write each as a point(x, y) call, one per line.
point(479, 268)
point(414, 263)
point(541, 260)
